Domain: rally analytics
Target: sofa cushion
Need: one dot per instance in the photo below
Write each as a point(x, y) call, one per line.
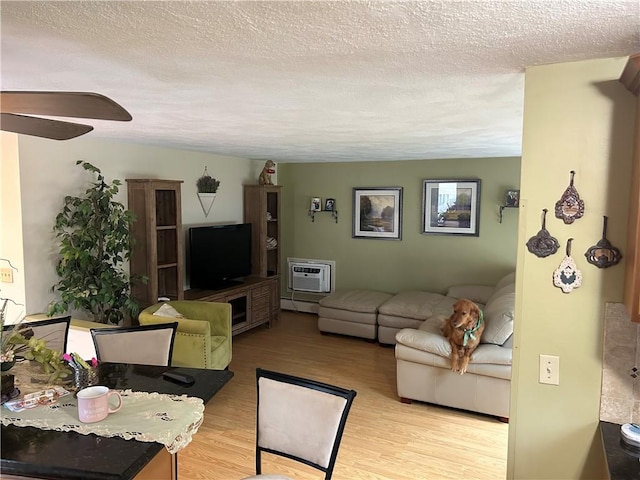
point(347, 315)
point(428, 338)
point(509, 288)
point(498, 317)
point(414, 304)
point(476, 293)
point(365, 301)
point(506, 280)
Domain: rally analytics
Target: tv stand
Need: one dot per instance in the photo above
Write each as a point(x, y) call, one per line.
point(224, 285)
point(254, 302)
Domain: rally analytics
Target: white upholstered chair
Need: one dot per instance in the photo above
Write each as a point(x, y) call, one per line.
point(299, 419)
point(141, 345)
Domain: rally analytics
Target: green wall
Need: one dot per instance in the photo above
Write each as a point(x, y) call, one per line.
point(426, 262)
point(577, 116)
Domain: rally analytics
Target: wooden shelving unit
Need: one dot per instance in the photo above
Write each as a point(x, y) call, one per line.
point(158, 251)
point(262, 211)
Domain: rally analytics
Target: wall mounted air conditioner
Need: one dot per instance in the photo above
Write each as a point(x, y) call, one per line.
point(310, 277)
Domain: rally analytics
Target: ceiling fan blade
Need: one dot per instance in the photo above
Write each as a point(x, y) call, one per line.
point(42, 127)
point(63, 104)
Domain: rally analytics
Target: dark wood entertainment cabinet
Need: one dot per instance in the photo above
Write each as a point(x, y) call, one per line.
point(254, 302)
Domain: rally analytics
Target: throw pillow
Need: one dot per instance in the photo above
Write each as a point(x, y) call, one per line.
point(510, 288)
point(506, 280)
point(498, 317)
point(167, 310)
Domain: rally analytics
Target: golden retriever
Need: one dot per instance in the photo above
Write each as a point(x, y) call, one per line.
point(463, 329)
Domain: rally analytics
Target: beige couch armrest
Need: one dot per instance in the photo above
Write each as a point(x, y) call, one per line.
point(424, 340)
point(431, 342)
point(476, 293)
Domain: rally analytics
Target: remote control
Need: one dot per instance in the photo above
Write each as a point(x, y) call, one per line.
point(178, 377)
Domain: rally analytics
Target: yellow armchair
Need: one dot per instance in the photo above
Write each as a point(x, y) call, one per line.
point(203, 339)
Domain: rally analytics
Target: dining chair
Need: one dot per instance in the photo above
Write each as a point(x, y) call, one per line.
point(142, 345)
point(299, 419)
point(54, 331)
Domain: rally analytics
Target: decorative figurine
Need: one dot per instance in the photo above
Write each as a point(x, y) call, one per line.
point(603, 254)
point(570, 207)
point(268, 170)
point(543, 244)
point(567, 276)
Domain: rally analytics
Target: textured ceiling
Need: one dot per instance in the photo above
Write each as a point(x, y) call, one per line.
point(310, 80)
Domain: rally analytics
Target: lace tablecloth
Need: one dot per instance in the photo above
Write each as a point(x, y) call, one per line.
point(147, 417)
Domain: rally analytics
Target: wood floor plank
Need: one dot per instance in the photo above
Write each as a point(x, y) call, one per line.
point(384, 438)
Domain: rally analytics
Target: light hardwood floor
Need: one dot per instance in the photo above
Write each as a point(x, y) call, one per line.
point(383, 439)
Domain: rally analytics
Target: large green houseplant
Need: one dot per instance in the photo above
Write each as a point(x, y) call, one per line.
point(95, 238)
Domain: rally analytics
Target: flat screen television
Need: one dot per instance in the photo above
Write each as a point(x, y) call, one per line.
point(219, 255)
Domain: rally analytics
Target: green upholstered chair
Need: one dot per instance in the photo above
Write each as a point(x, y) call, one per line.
point(203, 339)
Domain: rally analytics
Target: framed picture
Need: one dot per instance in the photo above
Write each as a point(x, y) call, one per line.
point(512, 198)
point(451, 207)
point(377, 213)
point(330, 204)
point(316, 203)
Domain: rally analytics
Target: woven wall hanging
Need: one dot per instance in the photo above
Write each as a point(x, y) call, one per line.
point(570, 207)
point(603, 254)
point(567, 276)
point(543, 244)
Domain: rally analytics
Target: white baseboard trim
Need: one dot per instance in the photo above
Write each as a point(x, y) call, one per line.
point(298, 305)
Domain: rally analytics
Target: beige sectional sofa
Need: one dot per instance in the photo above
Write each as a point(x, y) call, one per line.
point(411, 320)
point(422, 354)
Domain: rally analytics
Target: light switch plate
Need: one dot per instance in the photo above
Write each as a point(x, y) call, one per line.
point(6, 275)
point(550, 369)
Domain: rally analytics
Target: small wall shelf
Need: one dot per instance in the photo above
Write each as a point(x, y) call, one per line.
point(312, 214)
point(502, 207)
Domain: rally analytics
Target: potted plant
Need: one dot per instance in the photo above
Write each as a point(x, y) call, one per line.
point(207, 184)
point(95, 239)
point(207, 188)
point(18, 342)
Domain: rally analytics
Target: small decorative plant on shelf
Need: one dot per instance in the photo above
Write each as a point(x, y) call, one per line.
point(207, 189)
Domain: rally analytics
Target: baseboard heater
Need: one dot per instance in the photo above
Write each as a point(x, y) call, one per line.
point(299, 305)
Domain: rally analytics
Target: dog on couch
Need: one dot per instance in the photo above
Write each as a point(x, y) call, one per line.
point(463, 329)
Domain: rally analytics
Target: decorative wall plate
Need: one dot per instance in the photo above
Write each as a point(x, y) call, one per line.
point(570, 207)
point(567, 276)
point(603, 254)
point(543, 244)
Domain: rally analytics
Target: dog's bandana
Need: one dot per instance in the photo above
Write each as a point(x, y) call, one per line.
point(470, 333)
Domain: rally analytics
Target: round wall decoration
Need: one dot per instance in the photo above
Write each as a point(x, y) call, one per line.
point(543, 244)
point(603, 254)
point(567, 276)
point(570, 206)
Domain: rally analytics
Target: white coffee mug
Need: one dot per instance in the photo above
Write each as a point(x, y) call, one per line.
point(94, 405)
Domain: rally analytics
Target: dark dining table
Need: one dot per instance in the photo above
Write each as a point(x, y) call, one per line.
point(49, 454)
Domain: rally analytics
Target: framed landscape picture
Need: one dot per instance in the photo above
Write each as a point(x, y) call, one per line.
point(377, 213)
point(451, 207)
